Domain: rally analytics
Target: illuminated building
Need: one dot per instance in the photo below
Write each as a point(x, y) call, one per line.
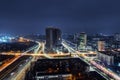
point(101, 45)
point(82, 41)
point(107, 57)
point(53, 38)
point(117, 36)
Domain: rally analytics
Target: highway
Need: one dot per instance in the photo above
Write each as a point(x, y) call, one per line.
point(18, 69)
point(9, 67)
point(11, 70)
point(22, 70)
point(21, 73)
point(99, 68)
point(3, 66)
point(108, 72)
point(65, 44)
point(40, 54)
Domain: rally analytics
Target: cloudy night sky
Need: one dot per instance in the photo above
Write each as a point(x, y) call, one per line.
point(71, 16)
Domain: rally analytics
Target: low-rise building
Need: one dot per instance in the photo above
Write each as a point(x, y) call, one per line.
point(107, 57)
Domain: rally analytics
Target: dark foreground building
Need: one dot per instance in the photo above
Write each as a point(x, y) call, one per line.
point(53, 38)
point(60, 69)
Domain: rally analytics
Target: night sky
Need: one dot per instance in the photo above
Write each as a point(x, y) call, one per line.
point(33, 16)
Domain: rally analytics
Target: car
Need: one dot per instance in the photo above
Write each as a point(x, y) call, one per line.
point(12, 73)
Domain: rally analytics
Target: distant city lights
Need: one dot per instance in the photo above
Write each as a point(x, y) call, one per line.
point(5, 38)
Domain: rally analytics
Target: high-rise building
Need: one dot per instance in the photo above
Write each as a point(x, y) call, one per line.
point(53, 38)
point(101, 45)
point(82, 41)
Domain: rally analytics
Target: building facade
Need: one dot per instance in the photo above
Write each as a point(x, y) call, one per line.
point(53, 38)
point(101, 45)
point(82, 41)
point(106, 57)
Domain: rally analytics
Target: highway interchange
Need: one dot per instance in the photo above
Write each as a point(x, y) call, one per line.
point(16, 68)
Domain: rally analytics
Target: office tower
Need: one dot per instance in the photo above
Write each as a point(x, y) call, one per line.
point(82, 41)
point(101, 45)
point(53, 38)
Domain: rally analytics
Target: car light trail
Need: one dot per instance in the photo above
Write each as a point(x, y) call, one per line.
point(110, 73)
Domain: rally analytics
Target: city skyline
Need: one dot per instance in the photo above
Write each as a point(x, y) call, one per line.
point(59, 40)
point(28, 16)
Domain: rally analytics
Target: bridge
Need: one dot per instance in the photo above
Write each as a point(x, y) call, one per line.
point(38, 55)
